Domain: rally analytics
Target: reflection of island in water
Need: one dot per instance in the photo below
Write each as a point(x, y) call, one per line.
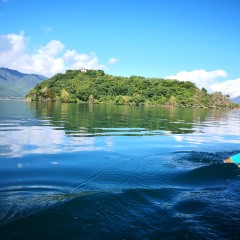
point(102, 118)
point(52, 128)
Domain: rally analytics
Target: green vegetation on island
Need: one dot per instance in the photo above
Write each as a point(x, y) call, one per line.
point(94, 86)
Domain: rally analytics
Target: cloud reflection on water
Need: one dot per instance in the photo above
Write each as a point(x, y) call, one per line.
point(226, 130)
point(42, 140)
point(48, 136)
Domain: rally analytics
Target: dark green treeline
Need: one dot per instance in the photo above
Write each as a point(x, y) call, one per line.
point(94, 86)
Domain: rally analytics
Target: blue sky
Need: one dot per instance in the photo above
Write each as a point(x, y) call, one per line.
point(196, 40)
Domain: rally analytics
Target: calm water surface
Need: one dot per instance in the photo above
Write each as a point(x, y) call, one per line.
point(78, 171)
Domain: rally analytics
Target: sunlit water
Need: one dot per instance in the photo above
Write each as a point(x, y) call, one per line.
point(78, 171)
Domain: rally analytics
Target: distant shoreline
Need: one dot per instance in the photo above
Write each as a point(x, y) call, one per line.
point(11, 98)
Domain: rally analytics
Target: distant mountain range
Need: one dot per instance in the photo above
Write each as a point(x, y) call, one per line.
point(236, 99)
point(16, 84)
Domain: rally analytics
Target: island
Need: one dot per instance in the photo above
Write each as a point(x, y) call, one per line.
point(95, 86)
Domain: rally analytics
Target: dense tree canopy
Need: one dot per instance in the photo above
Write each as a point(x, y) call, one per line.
point(94, 86)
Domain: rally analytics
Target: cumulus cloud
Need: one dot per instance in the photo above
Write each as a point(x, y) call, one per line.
point(230, 87)
point(112, 61)
point(77, 60)
point(47, 60)
point(200, 77)
point(210, 81)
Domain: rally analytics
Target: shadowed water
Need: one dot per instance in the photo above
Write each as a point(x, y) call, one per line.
point(78, 171)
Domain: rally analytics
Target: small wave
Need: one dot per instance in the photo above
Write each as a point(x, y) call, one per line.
point(165, 213)
point(209, 173)
point(21, 201)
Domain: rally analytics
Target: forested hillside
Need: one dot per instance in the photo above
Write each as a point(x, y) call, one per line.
point(94, 86)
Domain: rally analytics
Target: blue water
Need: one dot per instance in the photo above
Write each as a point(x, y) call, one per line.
point(78, 171)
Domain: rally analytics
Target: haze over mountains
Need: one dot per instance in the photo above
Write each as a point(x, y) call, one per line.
point(15, 84)
point(236, 99)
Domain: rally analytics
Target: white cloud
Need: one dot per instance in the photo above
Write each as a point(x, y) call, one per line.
point(112, 61)
point(48, 60)
point(201, 77)
point(51, 49)
point(210, 81)
point(231, 87)
point(77, 60)
point(11, 45)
